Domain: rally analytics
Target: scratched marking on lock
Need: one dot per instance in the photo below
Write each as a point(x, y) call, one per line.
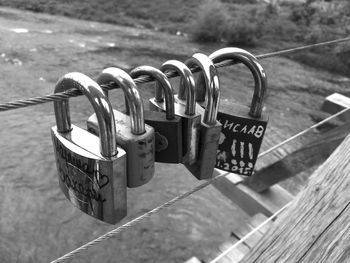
point(79, 179)
point(145, 145)
point(239, 144)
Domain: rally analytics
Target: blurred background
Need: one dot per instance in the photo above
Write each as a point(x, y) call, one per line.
point(42, 40)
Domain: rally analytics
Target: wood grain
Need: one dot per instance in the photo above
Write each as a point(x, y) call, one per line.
point(316, 227)
point(251, 202)
point(309, 155)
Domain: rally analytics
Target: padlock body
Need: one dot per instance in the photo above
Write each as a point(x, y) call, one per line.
point(139, 148)
point(208, 144)
point(94, 184)
point(240, 140)
point(168, 136)
point(190, 130)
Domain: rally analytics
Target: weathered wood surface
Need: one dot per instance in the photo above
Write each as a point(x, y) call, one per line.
point(316, 227)
point(237, 253)
point(244, 229)
point(337, 102)
point(193, 260)
point(250, 201)
point(272, 137)
point(309, 155)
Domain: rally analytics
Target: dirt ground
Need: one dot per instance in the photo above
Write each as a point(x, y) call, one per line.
point(37, 223)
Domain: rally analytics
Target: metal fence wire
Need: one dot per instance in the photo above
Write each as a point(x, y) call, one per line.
point(144, 79)
point(116, 231)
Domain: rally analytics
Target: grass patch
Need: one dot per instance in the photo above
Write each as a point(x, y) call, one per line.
point(212, 22)
point(164, 15)
point(239, 23)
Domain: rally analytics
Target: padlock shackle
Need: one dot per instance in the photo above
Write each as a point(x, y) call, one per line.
point(132, 96)
point(100, 103)
point(186, 81)
point(212, 87)
point(249, 60)
point(164, 83)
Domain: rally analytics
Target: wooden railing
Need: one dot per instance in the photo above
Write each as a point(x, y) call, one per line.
point(316, 226)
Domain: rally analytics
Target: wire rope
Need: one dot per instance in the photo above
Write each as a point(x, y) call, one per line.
point(144, 79)
point(171, 202)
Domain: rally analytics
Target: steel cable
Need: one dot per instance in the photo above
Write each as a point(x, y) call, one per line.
point(143, 79)
point(133, 222)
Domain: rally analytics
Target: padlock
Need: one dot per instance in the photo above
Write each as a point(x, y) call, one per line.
point(190, 118)
point(167, 126)
point(243, 129)
point(92, 170)
point(136, 138)
point(210, 128)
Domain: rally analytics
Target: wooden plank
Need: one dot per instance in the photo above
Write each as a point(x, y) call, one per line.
point(257, 220)
point(252, 223)
point(272, 137)
point(311, 154)
point(193, 260)
point(331, 124)
point(238, 250)
point(316, 226)
point(338, 99)
point(267, 202)
point(245, 229)
point(235, 255)
point(337, 102)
